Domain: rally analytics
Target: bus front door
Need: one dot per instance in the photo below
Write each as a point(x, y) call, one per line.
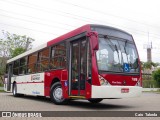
point(78, 67)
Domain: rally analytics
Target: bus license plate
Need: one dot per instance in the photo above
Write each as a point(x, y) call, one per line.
point(125, 90)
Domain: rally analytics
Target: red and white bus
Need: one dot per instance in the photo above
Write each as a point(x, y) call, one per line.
point(93, 62)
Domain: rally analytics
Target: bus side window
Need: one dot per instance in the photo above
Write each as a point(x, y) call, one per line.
point(6, 71)
point(58, 57)
point(32, 60)
point(43, 60)
point(23, 65)
point(16, 67)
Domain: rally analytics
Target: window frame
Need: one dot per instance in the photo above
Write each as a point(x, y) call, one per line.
point(39, 61)
point(65, 55)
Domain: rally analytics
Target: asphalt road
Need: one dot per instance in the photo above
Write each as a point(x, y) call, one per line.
point(147, 102)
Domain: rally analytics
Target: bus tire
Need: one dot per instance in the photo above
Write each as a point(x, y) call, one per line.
point(56, 94)
point(15, 90)
point(95, 100)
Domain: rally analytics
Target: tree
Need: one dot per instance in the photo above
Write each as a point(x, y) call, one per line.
point(12, 45)
point(2, 67)
point(147, 69)
point(148, 65)
point(18, 51)
point(156, 76)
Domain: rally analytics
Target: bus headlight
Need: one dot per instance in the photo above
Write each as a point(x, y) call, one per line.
point(103, 81)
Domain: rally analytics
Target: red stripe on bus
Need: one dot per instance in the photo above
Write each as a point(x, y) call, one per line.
point(28, 82)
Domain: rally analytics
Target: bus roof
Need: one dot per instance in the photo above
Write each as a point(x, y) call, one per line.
point(51, 42)
point(85, 28)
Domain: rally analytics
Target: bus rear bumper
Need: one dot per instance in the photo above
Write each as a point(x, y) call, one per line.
point(115, 91)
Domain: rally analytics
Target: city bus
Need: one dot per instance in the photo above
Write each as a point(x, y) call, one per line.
point(93, 62)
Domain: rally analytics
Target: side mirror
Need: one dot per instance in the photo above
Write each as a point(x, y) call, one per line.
point(93, 39)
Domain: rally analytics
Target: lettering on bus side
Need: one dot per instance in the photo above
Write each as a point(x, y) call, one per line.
point(35, 92)
point(35, 77)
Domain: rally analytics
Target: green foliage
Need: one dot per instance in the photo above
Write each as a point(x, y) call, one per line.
point(150, 84)
point(17, 51)
point(2, 66)
point(2, 91)
point(1, 85)
point(12, 43)
point(148, 65)
point(156, 76)
point(147, 76)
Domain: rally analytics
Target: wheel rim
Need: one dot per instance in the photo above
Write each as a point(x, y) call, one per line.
point(57, 94)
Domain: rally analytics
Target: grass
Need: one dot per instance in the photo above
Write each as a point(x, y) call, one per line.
point(158, 91)
point(150, 84)
point(1, 85)
point(2, 91)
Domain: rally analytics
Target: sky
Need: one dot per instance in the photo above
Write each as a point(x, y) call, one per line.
point(44, 20)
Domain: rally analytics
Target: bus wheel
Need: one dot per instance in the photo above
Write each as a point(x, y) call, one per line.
point(15, 90)
point(56, 94)
point(95, 100)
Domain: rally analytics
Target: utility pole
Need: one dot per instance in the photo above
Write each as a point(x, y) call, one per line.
point(149, 50)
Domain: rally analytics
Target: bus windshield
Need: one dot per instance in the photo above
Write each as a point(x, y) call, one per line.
point(117, 55)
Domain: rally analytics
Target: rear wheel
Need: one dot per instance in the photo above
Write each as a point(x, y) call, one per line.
point(95, 100)
point(15, 90)
point(15, 94)
point(56, 94)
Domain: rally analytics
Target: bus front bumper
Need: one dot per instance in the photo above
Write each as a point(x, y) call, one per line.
point(115, 91)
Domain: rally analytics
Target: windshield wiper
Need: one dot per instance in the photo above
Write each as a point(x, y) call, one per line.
point(112, 46)
point(117, 52)
point(110, 43)
point(126, 51)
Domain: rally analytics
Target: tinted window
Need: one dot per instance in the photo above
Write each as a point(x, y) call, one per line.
point(32, 59)
point(117, 56)
point(43, 60)
point(23, 64)
point(58, 56)
point(15, 67)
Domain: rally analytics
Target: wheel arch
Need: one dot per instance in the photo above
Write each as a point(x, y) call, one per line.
point(56, 79)
point(56, 83)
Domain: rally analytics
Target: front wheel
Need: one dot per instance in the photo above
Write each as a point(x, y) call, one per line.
point(95, 100)
point(56, 94)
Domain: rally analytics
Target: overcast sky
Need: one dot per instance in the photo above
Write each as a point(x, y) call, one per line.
point(45, 20)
